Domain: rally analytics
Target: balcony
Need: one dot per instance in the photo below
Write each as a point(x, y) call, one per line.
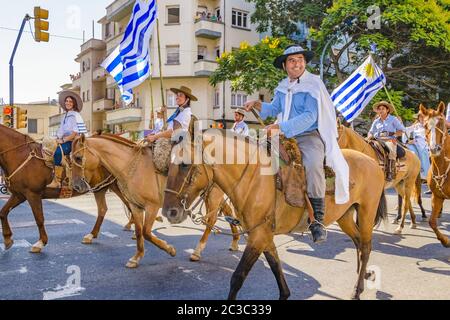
point(208, 29)
point(55, 120)
point(204, 68)
point(123, 115)
point(93, 44)
point(102, 105)
point(119, 9)
point(99, 74)
point(76, 81)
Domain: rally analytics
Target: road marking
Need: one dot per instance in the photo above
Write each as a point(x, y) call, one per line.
point(28, 224)
point(22, 270)
point(63, 292)
point(18, 244)
point(109, 235)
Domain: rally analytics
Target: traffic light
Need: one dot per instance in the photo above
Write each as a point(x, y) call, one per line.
point(22, 118)
point(8, 116)
point(40, 25)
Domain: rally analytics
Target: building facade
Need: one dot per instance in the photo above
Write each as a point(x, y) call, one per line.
point(193, 33)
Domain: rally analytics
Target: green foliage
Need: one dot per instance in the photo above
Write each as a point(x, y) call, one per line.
point(251, 67)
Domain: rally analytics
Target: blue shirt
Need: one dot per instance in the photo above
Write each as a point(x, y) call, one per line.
point(383, 129)
point(68, 125)
point(303, 117)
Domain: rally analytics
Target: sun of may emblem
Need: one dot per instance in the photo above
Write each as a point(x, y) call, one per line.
point(369, 70)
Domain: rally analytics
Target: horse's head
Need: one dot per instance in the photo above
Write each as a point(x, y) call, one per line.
point(436, 130)
point(85, 164)
point(342, 138)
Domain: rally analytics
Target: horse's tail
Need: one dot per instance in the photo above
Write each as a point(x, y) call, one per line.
point(382, 212)
point(417, 191)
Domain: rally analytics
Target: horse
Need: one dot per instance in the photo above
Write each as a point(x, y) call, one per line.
point(133, 167)
point(406, 183)
point(437, 179)
point(27, 177)
point(263, 212)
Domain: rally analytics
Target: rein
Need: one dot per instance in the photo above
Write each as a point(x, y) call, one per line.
point(439, 179)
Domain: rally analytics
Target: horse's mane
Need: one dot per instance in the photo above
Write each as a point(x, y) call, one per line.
point(354, 133)
point(117, 139)
point(18, 134)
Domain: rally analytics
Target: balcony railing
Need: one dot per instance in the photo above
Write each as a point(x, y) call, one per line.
point(208, 29)
point(102, 105)
point(204, 68)
point(123, 115)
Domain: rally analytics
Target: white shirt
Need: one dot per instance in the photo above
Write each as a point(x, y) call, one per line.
point(159, 123)
point(418, 133)
point(69, 124)
point(448, 112)
point(184, 118)
point(240, 128)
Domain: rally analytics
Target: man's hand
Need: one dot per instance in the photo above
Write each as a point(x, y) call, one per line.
point(248, 106)
point(273, 129)
point(151, 138)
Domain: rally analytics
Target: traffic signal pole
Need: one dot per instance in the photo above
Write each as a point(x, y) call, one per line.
point(11, 62)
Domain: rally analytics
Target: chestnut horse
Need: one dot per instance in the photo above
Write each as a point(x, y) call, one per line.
point(133, 167)
point(437, 179)
point(263, 212)
point(405, 182)
point(28, 179)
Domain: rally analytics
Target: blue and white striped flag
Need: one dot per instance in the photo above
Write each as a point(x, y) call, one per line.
point(129, 63)
point(355, 93)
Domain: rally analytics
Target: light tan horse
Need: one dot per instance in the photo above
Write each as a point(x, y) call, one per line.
point(263, 212)
point(142, 187)
point(406, 182)
point(437, 179)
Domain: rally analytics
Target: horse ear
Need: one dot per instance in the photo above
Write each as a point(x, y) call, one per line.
point(441, 107)
point(423, 110)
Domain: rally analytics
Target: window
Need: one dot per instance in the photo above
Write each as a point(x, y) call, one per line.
point(109, 30)
point(171, 99)
point(136, 98)
point(239, 18)
point(32, 126)
point(84, 97)
point(219, 17)
point(217, 99)
point(217, 49)
point(202, 51)
point(110, 94)
point(87, 96)
point(173, 54)
point(173, 15)
point(238, 99)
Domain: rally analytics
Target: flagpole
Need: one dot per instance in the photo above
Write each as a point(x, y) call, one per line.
point(160, 72)
point(152, 109)
point(385, 90)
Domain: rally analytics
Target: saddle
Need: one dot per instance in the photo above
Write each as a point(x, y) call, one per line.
point(291, 177)
point(382, 152)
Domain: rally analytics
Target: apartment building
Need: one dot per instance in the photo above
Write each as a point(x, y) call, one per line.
point(193, 33)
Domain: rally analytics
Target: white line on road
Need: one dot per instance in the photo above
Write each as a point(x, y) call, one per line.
point(109, 235)
point(28, 224)
point(22, 270)
point(19, 244)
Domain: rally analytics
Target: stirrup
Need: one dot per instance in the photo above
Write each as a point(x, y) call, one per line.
point(319, 223)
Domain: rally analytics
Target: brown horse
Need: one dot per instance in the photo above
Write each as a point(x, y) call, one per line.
point(437, 179)
point(405, 183)
point(28, 180)
point(263, 212)
point(133, 167)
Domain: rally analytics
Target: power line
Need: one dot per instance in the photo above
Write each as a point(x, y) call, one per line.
point(52, 35)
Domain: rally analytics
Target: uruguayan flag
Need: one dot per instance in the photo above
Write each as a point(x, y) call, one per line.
point(355, 93)
point(129, 63)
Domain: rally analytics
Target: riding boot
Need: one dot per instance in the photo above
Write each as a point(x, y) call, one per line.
point(317, 228)
point(57, 178)
point(389, 173)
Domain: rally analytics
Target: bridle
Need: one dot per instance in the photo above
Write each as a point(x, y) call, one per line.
point(101, 185)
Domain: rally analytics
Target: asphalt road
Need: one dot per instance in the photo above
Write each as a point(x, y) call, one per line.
point(411, 266)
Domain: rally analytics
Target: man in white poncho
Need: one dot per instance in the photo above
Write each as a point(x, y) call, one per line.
point(305, 112)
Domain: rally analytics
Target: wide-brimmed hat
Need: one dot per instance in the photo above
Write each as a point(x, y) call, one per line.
point(160, 110)
point(67, 93)
point(186, 91)
point(240, 111)
point(290, 50)
point(383, 103)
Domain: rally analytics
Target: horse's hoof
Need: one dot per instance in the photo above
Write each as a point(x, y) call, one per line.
point(371, 276)
point(132, 264)
point(87, 239)
point(234, 247)
point(133, 237)
point(9, 244)
point(127, 227)
point(172, 251)
point(413, 226)
point(395, 221)
point(35, 249)
point(159, 219)
point(446, 243)
point(195, 257)
point(398, 230)
point(355, 296)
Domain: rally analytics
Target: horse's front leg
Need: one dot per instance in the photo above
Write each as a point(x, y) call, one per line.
point(138, 216)
point(436, 205)
point(12, 202)
point(150, 216)
point(35, 202)
point(100, 199)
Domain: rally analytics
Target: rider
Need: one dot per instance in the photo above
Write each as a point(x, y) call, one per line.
point(72, 124)
point(387, 128)
point(308, 115)
point(181, 118)
point(239, 126)
point(418, 144)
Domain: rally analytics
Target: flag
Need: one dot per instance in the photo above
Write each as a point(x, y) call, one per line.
point(129, 63)
point(355, 93)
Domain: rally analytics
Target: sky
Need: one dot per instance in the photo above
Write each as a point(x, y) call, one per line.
point(40, 68)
